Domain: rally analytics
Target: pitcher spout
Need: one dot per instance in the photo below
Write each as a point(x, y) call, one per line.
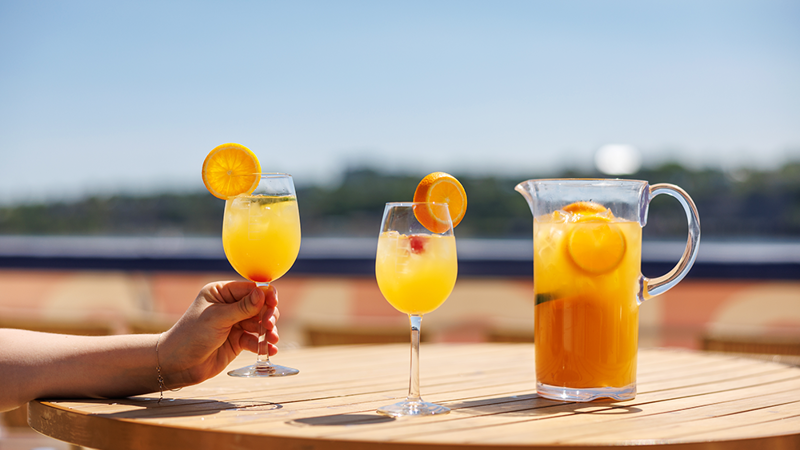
point(527, 190)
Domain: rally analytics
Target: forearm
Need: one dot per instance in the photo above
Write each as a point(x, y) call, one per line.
point(36, 365)
point(215, 328)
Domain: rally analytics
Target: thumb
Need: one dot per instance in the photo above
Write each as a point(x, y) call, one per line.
point(247, 307)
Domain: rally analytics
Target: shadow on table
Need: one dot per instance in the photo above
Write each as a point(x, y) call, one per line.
point(521, 405)
point(341, 420)
point(533, 405)
point(151, 408)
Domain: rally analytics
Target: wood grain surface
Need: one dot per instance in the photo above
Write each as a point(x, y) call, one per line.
point(686, 400)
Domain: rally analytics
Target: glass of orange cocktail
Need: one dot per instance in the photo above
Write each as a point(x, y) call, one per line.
point(416, 270)
point(587, 282)
point(261, 238)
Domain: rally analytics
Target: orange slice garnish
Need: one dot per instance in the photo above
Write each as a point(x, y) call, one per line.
point(230, 170)
point(596, 246)
point(440, 187)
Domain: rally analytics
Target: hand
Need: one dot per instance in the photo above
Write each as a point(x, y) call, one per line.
point(222, 321)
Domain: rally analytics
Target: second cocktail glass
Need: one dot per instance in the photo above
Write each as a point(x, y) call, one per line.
point(261, 237)
point(416, 271)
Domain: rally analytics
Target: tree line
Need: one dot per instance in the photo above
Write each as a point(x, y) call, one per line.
point(746, 203)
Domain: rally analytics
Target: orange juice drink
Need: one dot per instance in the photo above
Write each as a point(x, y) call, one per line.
point(586, 281)
point(261, 235)
point(416, 273)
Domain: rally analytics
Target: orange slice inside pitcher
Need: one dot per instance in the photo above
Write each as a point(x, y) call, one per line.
point(595, 244)
point(230, 170)
point(585, 208)
point(440, 187)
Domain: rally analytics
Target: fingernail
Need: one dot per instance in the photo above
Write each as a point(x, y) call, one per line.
point(254, 297)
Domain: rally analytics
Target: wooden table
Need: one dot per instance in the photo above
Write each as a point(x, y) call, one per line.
point(686, 400)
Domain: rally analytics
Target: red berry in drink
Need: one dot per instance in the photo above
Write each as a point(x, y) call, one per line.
point(417, 244)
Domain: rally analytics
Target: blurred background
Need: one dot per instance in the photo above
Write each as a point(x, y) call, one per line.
point(107, 110)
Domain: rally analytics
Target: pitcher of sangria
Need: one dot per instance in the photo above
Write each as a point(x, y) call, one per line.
point(587, 281)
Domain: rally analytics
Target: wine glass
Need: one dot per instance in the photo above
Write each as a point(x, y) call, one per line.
point(261, 237)
point(416, 270)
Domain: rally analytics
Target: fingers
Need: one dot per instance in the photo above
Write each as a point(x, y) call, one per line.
point(244, 304)
point(249, 342)
point(253, 326)
point(271, 294)
point(272, 336)
point(271, 316)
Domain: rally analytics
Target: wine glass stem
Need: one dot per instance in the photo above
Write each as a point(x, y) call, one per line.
point(413, 385)
point(263, 345)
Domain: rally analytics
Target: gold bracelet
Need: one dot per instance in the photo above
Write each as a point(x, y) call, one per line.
point(161, 385)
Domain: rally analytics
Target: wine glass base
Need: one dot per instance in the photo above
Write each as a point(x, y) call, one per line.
point(418, 408)
point(266, 370)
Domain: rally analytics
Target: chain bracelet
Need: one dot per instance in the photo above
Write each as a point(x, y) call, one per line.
point(158, 372)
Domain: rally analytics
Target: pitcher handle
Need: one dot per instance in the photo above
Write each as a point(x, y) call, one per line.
point(656, 286)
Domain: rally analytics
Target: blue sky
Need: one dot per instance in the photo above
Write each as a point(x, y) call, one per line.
point(129, 96)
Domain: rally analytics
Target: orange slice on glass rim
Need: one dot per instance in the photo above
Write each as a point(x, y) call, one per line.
point(230, 170)
point(440, 187)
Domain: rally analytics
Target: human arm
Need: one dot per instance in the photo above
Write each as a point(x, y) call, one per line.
point(210, 334)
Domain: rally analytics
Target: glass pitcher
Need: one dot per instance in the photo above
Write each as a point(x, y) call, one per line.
point(587, 281)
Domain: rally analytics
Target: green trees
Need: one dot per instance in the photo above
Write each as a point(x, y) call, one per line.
point(749, 203)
